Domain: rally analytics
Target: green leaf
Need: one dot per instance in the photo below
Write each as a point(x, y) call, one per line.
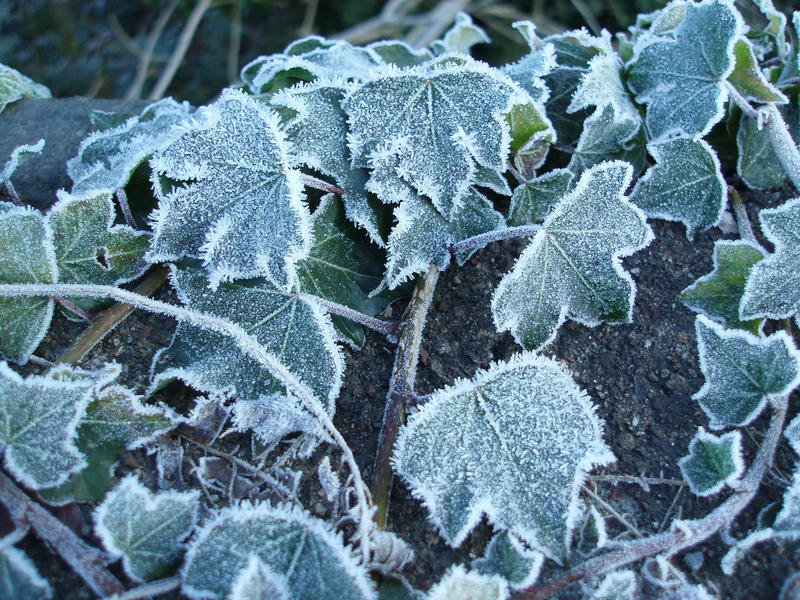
point(535, 199)
point(757, 163)
point(592, 533)
point(258, 582)
point(26, 256)
point(685, 184)
point(15, 86)
point(619, 585)
point(507, 557)
point(241, 207)
point(606, 135)
point(681, 77)
point(460, 584)
point(310, 558)
point(19, 578)
point(529, 125)
point(146, 529)
point(718, 294)
point(748, 79)
point(461, 37)
point(18, 156)
point(741, 371)
point(771, 289)
point(712, 462)
point(399, 53)
point(297, 333)
point(776, 26)
point(515, 442)
point(529, 70)
point(572, 266)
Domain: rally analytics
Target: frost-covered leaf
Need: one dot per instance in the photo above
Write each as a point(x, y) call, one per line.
point(303, 550)
point(529, 70)
point(16, 86)
point(89, 248)
point(38, 420)
point(572, 266)
point(685, 184)
point(399, 53)
point(438, 120)
point(241, 207)
point(792, 434)
point(26, 256)
point(741, 370)
point(530, 129)
point(712, 462)
point(619, 585)
point(328, 480)
point(772, 289)
point(605, 136)
point(460, 584)
point(461, 37)
point(146, 529)
point(295, 331)
point(535, 199)
point(718, 294)
point(515, 442)
point(748, 78)
point(592, 533)
point(507, 557)
point(18, 156)
point(776, 26)
point(19, 578)
point(681, 77)
point(258, 582)
point(757, 164)
point(106, 159)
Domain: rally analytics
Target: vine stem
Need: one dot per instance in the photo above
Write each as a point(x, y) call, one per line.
point(685, 534)
point(484, 239)
point(246, 343)
point(150, 590)
point(742, 220)
point(321, 185)
point(401, 388)
point(388, 328)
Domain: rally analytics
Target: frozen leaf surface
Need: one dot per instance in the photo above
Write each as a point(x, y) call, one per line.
point(748, 78)
point(106, 159)
point(19, 578)
point(592, 533)
point(507, 557)
point(741, 370)
point(772, 288)
point(399, 53)
point(602, 86)
point(572, 266)
point(18, 156)
point(16, 86)
point(531, 68)
point(605, 135)
point(461, 37)
point(718, 294)
point(460, 584)
point(241, 207)
point(534, 200)
point(757, 163)
point(258, 582)
point(681, 77)
point(146, 529)
point(302, 550)
point(685, 184)
point(515, 442)
point(26, 256)
point(712, 462)
point(620, 585)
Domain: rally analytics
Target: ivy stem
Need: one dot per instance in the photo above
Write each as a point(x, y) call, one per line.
point(150, 590)
point(742, 220)
point(401, 388)
point(12, 191)
point(683, 535)
point(321, 184)
point(125, 207)
point(484, 239)
point(86, 561)
point(388, 328)
point(72, 307)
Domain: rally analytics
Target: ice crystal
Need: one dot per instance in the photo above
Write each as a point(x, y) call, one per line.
point(258, 582)
point(606, 135)
point(16, 86)
point(619, 585)
point(712, 462)
point(531, 68)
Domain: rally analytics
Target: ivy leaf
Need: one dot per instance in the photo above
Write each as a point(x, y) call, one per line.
point(439, 120)
point(258, 582)
point(241, 209)
point(685, 184)
point(18, 156)
point(16, 86)
point(606, 135)
point(776, 26)
point(712, 462)
point(19, 578)
point(38, 419)
point(89, 248)
point(572, 266)
point(741, 370)
point(718, 294)
point(531, 68)
point(592, 533)
point(507, 557)
point(399, 53)
point(756, 163)
point(146, 529)
point(107, 158)
point(26, 256)
point(460, 584)
point(748, 79)
point(681, 77)
point(312, 560)
point(515, 442)
point(534, 200)
point(296, 332)
point(619, 585)
point(461, 37)
point(771, 289)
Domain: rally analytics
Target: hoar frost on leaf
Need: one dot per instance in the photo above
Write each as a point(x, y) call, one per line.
point(606, 135)
point(741, 371)
point(461, 37)
point(507, 557)
point(619, 585)
point(310, 558)
point(756, 162)
point(535, 199)
point(529, 70)
point(460, 584)
point(19, 155)
point(146, 529)
point(241, 208)
point(713, 462)
point(258, 582)
point(16, 86)
point(19, 578)
point(515, 442)
point(572, 266)
point(748, 78)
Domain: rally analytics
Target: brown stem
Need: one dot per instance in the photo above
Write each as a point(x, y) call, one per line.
point(387, 328)
point(86, 561)
point(401, 386)
point(322, 185)
point(110, 318)
point(483, 239)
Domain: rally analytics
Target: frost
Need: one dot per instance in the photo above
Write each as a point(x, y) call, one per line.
point(572, 266)
point(771, 289)
point(515, 442)
point(294, 331)
point(757, 164)
point(531, 68)
point(718, 294)
point(461, 37)
point(146, 529)
point(507, 557)
point(106, 159)
point(328, 480)
point(448, 115)
point(18, 156)
point(776, 26)
point(399, 53)
point(712, 462)
point(606, 135)
point(19, 578)
point(748, 78)
point(741, 370)
point(681, 78)
point(792, 434)
point(619, 585)
point(535, 199)
point(38, 419)
point(16, 86)
point(601, 86)
point(258, 582)
point(241, 207)
point(26, 256)
point(592, 533)
point(313, 561)
point(460, 584)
